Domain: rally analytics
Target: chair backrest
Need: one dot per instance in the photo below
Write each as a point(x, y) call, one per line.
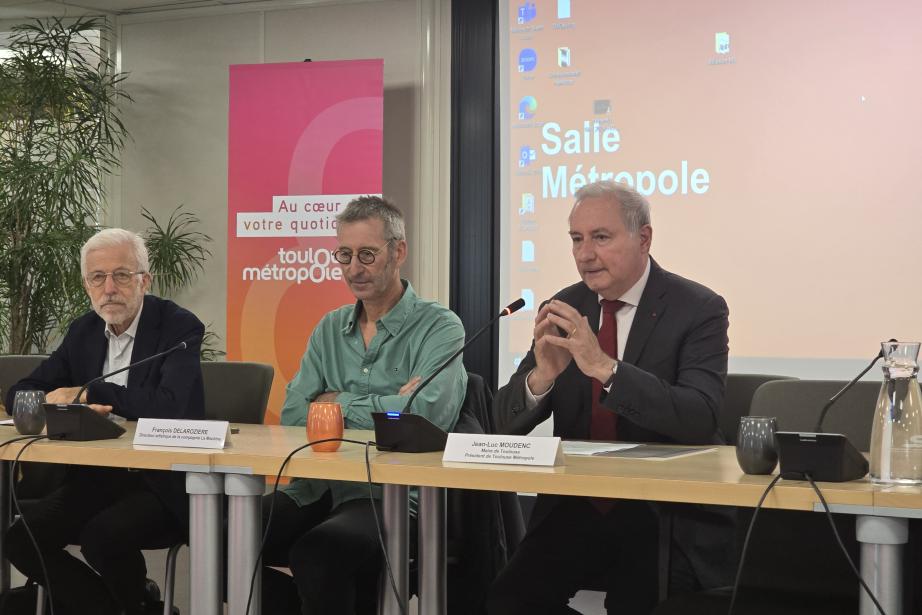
point(484, 527)
point(794, 551)
point(236, 391)
point(737, 399)
point(15, 367)
point(475, 409)
point(797, 405)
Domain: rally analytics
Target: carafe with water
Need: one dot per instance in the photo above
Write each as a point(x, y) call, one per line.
point(896, 434)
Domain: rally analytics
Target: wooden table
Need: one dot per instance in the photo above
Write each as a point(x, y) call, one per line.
point(239, 472)
point(706, 478)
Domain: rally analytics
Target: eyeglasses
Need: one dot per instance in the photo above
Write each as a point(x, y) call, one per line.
point(121, 277)
point(366, 256)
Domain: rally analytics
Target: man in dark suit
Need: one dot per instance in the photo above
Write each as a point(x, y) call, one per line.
point(113, 513)
point(632, 353)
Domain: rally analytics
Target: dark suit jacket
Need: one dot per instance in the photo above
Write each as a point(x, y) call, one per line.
point(169, 387)
point(668, 388)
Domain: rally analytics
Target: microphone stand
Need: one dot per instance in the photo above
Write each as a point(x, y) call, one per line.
point(411, 433)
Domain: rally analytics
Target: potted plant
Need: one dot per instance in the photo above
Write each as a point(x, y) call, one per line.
point(60, 136)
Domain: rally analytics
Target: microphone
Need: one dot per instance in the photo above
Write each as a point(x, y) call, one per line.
point(179, 346)
point(406, 432)
point(79, 422)
point(823, 456)
point(835, 398)
point(515, 306)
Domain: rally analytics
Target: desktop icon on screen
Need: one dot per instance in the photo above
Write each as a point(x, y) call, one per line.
point(528, 295)
point(601, 106)
point(563, 9)
point(526, 12)
point(527, 107)
point(528, 251)
point(527, 60)
point(526, 156)
point(563, 57)
point(722, 42)
point(528, 204)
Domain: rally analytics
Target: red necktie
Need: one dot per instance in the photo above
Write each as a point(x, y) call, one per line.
point(604, 421)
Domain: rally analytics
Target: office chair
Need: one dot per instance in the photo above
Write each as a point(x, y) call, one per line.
point(794, 565)
point(738, 395)
point(235, 391)
point(737, 400)
point(483, 527)
point(15, 367)
point(36, 480)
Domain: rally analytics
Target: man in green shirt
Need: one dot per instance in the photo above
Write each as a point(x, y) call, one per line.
point(369, 357)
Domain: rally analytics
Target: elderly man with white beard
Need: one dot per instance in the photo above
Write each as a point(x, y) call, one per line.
point(111, 513)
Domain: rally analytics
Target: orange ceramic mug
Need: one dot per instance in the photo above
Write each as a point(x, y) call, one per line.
point(324, 420)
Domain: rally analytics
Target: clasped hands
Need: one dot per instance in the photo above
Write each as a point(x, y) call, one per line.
point(562, 335)
point(65, 395)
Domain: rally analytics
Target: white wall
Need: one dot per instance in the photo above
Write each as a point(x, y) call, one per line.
point(178, 66)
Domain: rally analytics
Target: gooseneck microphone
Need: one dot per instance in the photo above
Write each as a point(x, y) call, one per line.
point(79, 422)
point(835, 398)
point(406, 432)
point(179, 346)
point(822, 456)
point(515, 306)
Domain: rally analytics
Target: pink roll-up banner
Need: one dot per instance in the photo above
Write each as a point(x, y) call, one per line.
point(304, 138)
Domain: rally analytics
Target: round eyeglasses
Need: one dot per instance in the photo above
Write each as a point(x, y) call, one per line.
point(121, 277)
point(366, 256)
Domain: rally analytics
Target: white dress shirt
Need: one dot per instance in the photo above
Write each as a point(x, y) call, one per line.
point(119, 353)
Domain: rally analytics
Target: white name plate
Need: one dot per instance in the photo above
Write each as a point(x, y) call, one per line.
point(176, 432)
point(517, 450)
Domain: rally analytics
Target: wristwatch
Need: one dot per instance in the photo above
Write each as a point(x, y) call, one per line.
point(611, 379)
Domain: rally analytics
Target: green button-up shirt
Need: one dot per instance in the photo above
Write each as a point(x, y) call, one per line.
point(413, 339)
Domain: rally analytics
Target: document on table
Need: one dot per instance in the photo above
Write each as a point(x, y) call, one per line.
point(660, 452)
point(631, 450)
point(579, 447)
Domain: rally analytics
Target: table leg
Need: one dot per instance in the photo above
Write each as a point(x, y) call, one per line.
point(432, 556)
point(244, 533)
point(205, 528)
point(882, 540)
point(396, 540)
point(5, 517)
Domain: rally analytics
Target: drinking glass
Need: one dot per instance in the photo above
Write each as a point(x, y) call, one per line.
point(756, 449)
point(28, 412)
point(325, 420)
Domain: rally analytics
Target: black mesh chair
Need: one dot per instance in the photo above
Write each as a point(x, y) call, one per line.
point(794, 565)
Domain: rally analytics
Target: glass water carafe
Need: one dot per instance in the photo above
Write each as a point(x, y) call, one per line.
point(896, 435)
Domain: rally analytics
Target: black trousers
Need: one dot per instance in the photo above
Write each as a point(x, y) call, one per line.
point(333, 554)
point(112, 515)
point(575, 544)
